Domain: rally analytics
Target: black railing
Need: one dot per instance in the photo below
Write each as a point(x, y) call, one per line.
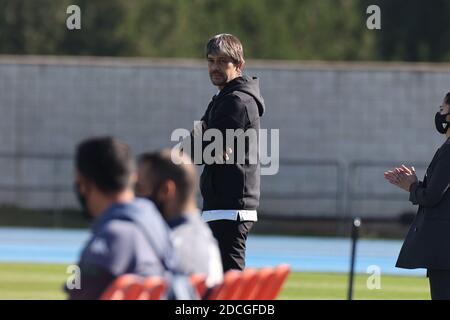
point(344, 189)
point(339, 184)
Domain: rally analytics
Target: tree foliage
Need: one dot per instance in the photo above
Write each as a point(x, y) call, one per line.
point(284, 29)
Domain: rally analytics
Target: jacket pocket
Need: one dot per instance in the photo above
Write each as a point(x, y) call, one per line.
point(229, 182)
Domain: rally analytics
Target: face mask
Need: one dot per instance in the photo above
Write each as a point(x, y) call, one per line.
point(441, 123)
point(82, 201)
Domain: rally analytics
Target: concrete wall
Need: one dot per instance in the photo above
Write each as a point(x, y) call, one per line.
point(337, 112)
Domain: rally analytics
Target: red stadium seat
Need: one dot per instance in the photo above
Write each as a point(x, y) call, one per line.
point(133, 291)
point(229, 285)
point(250, 284)
point(132, 287)
point(264, 278)
point(274, 286)
point(198, 281)
point(117, 290)
point(247, 284)
point(154, 288)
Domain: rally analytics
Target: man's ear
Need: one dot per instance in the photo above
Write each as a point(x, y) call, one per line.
point(240, 66)
point(168, 190)
point(171, 190)
point(133, 179)
point(82, 183)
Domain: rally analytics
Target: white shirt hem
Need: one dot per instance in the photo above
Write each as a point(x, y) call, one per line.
point(244, 215)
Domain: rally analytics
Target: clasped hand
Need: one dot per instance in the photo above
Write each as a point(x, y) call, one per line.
point(402, 177)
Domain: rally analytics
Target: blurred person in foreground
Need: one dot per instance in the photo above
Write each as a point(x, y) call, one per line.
point(128, 234)
point(172, 186)
point(427, 244)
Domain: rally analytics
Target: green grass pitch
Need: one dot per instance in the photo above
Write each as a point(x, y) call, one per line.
point(42, 281)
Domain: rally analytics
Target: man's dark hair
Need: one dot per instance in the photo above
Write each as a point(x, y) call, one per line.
point(228, 45)
point(107, 162)
point(161, 168)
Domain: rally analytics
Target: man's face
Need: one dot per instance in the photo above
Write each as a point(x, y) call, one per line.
point(222, 69)
point(163, 194)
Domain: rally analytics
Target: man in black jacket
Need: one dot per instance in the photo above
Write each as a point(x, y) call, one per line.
point(231, 188)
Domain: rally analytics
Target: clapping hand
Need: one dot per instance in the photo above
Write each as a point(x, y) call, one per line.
point(402, 177)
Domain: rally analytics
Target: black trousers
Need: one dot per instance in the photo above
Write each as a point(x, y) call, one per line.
point(439, 284)
point(231, 236)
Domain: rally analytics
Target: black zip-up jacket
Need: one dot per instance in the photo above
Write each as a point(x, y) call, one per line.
point(239, 105)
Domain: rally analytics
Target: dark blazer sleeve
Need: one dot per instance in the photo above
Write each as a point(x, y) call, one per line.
point(437, 184)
